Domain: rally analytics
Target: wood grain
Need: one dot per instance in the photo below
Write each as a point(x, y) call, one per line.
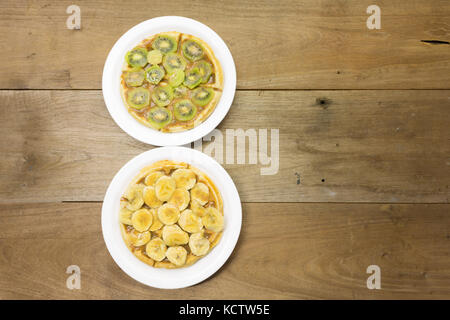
point(363, 174)
point(290, 251)
point(288, 45)
point(334, 146)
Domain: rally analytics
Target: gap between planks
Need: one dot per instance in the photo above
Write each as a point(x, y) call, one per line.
point(271, 202)
point(239, 89)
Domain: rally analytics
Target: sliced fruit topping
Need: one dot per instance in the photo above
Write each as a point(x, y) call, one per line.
point(205, 69)
point(190, 222)
point(134, 77)
point(165, 44)
point(197, 208)
point(180, 198)
point(176, 78)
point(159, 117)
point(139, 238)
point(162, 96)
point(213, 220)
point(168, 214)
point(138, 98)
point(200, 192)
point(193, 78)
point(173, 61)
point(125, 216)
point(174, 236)
point(150, 198)
point(184, 110)
point(155, 74)
point(164, 187)
point(134, 197)
point(154, 57)
point(202, 96)
point(198, 244)
point(157, 224)
point(177, 255)
point(137, 57)
point(184, 178)
point(152, 177)
point(192, 50)
point(142, 220)
point(156, 249)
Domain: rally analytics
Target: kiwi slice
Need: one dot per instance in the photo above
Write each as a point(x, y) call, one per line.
point(176, 78)
point(162, 96)
point(192, 50)
point(202, 96)
point(180, 91)
point(193, 78)
point(138, 98)
point(134, 77)
point(184, 110)
point(173, 61)
point(205, 69)
point(165, 44)
point(159, 117)
point(154, 57)
point(155, 74)
point(137, 57)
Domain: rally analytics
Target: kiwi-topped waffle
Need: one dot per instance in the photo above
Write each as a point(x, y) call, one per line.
point(171, 81)
point(171, 215)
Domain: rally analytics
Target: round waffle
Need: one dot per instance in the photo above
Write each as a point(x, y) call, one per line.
point(156, 86)
point(171, 215)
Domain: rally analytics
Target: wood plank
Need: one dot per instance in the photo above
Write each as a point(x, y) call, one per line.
point(276, 45)
point(366, 146)
point(287, 251)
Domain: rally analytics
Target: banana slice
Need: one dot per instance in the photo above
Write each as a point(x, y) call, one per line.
point(139, 238)
point(156, 225)
point(142, 220)
point(150, 198)
point(134, 196)
point(153, 177)
point(174, 236)
point(213, 219)
point(125, 216)
point(184, 178)
point(177, 255)
point(164, 187)
point(197, 208)
point(190, 222)
point(156, 249)
point(180, 198)
point(198, 244)
point(168, 214)
point(200, 192)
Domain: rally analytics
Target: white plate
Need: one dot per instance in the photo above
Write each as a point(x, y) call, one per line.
point(203, 268)
point(113, 70)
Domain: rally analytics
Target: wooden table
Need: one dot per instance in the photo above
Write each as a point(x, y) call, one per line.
point(364, 153)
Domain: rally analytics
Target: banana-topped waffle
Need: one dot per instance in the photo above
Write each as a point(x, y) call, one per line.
point(171, 81)
point(171, 215)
